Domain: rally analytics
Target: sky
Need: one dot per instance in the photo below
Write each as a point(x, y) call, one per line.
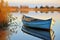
point(34, 2)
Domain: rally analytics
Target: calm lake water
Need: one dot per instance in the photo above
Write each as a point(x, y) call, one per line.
point(14, 31)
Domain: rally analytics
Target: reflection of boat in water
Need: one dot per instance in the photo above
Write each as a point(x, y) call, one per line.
point(45, 35)
point(37, 23)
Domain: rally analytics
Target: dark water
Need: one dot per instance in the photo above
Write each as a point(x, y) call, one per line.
point(17, 32)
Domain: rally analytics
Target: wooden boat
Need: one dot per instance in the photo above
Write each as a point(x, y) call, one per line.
point(37, 23)
point(42, 34)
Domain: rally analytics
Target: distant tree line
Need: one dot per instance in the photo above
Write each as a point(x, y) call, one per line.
point(40, 7)
point(47, 7)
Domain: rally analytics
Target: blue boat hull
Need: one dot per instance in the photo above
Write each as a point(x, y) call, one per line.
point(37, 23)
